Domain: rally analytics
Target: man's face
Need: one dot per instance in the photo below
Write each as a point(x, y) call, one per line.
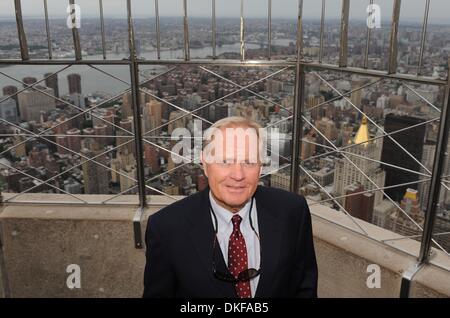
point(233, 167)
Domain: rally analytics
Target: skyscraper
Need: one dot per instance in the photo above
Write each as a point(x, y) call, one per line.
point(52, 82)
point(74, 81)
point(29, 81)
point(74, 139)
point(412, 140)
point(10, 90)
point(359, 204)
point(31, 103)
point(8, 111)
point(347, 173)
point(95, 176)
point(401, 223)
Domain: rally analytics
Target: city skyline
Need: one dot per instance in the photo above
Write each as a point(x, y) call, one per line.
point(345, 154)
point(231, 8)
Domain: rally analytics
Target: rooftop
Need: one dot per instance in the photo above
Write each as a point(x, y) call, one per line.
point(85, 158)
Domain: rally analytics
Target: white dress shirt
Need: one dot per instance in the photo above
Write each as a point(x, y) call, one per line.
point(225, 228)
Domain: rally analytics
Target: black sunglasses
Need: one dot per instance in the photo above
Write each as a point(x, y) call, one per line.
point(243, 276)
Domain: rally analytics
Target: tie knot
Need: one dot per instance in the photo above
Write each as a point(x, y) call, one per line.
point(236, 219)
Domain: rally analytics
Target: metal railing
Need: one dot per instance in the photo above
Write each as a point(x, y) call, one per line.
point(302, 68)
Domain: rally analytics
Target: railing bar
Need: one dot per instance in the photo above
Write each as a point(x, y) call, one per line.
point(269, 29)
point(242, 33)
point(75, 35)
point(158, 32)
point(438, 169)
point(322, 30)
point(102, 26)
point(393, 42)
point(343, 52)
point(47, 30)
point(21, 31)
point(368, 37)
point(297, 130)
point(424, 36)
point(213, 29)
point(300, 30)
point(137, 116)
point(186, 32)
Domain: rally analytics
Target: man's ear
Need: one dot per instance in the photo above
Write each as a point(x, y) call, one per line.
point(202, 159)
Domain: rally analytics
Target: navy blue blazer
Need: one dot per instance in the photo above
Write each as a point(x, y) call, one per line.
point(179, 240)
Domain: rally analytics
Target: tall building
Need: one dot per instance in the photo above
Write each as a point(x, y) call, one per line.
point(95, 177)
point(152, 116)
point(74, 139)
point(31, 103)
point(8, 111)
point(62, 142)
point(127, 105)
point(178, 123)
point(100, 130)
point(312, 101)
point(126, 176)
point(151, 157)
point(74, 81)
point(127, 148)
point(328, 128)
point(347, 173)
point(412, 140)
point(10, 90)
point(280, 180)
point(19, 149)
point(359, 204)
point(52, 82)
point(120, 162)
point(399, 222)
point(29, 81)
point(219, 111)
point(424, 187)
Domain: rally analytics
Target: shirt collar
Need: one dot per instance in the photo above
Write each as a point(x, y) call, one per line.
point(224, 215)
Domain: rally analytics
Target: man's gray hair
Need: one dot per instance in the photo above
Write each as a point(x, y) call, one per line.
point(237, 121)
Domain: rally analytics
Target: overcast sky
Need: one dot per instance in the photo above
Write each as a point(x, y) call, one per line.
point(411, 9)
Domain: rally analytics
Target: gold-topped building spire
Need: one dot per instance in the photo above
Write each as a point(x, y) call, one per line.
point(362, 136)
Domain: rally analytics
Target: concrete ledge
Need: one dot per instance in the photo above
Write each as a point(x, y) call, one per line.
point(344, 254)
point(41, 240)
point(431, 281)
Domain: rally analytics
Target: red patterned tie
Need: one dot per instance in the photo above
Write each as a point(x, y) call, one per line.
point(237, 257)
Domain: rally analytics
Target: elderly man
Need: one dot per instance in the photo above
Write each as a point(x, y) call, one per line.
point(235, 238)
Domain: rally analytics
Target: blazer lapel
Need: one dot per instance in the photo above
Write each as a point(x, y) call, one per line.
point(202, 236)
point(270, 236)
